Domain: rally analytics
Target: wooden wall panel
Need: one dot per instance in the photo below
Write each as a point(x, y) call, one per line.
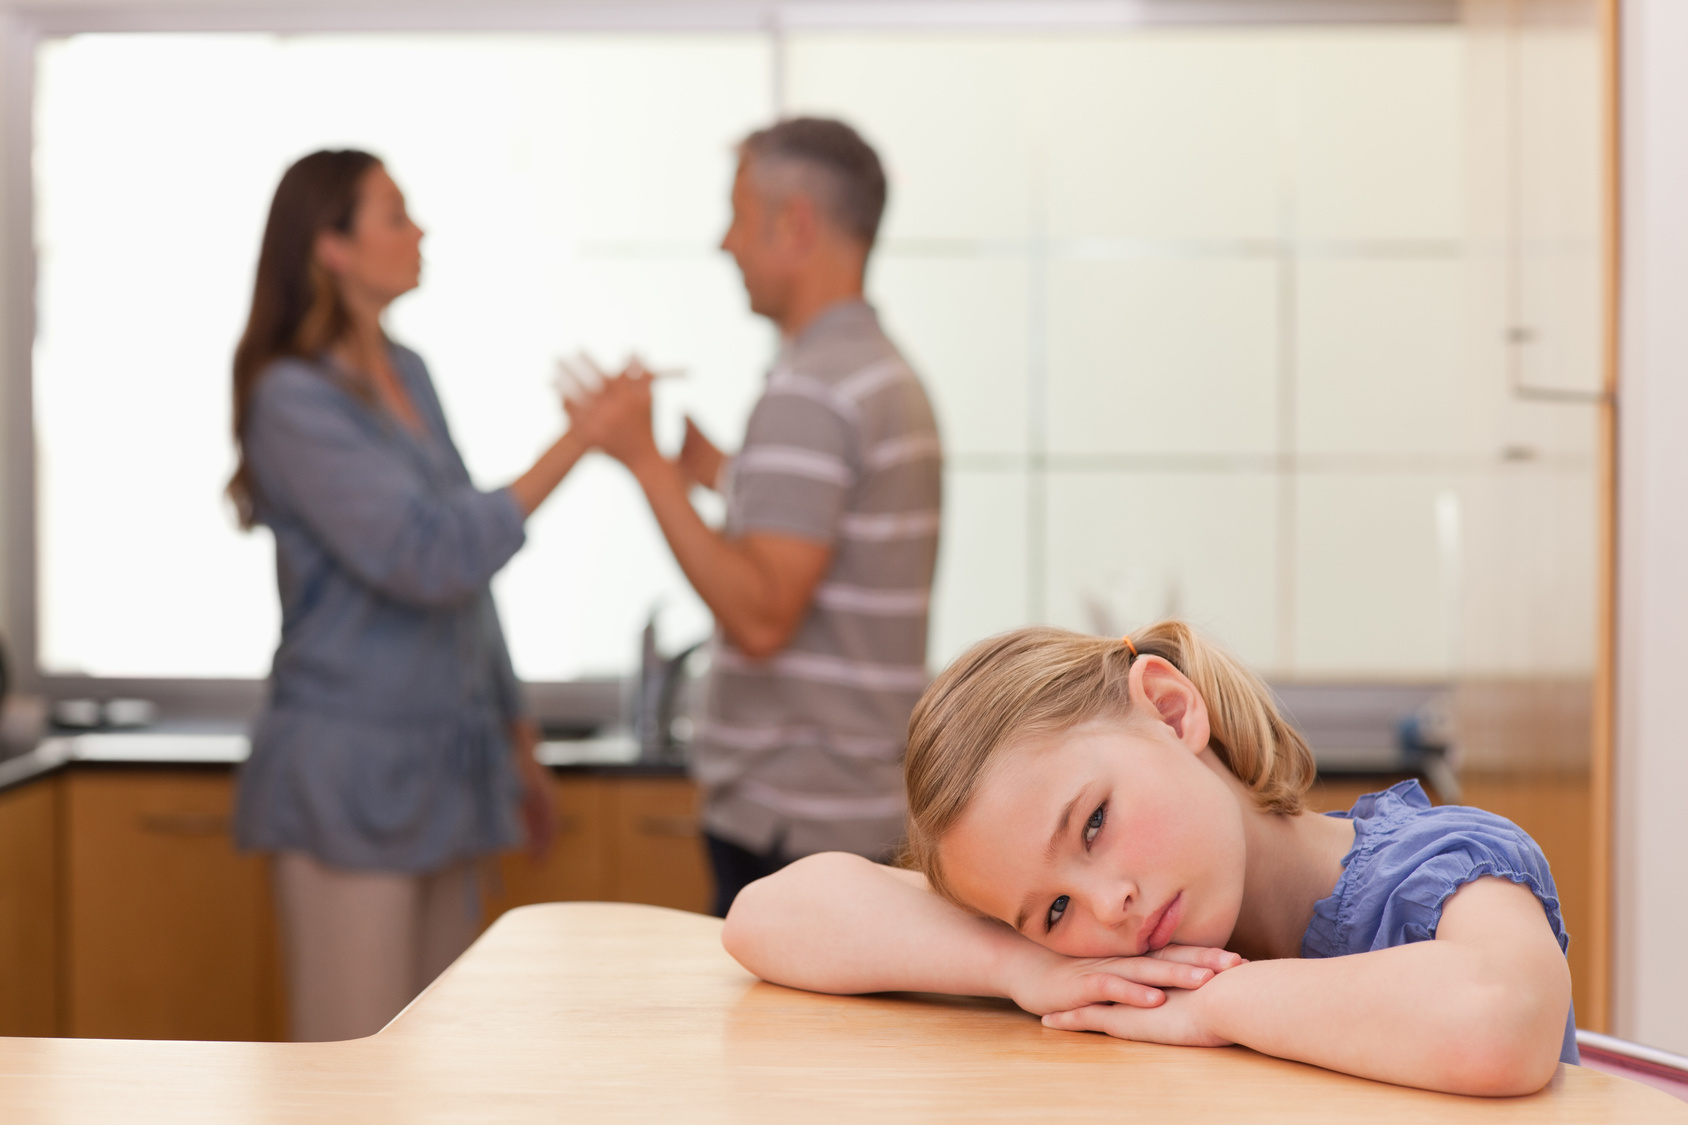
point(29, 909)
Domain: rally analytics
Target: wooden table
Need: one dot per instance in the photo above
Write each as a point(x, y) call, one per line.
point(600, 1012)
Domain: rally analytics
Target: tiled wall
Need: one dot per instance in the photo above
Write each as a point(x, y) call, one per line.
point(1217, 325)
point(1216, 320)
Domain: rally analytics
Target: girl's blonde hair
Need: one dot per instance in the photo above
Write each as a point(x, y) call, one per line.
point(1041, 680)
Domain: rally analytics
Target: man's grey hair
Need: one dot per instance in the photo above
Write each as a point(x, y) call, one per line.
point(825, 160)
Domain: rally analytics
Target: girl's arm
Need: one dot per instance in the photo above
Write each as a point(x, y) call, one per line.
point(839, 923)
point(1479, 1010)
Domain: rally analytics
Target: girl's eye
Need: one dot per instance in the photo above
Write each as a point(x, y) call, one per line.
point(1056, 909)
point(1094, 824)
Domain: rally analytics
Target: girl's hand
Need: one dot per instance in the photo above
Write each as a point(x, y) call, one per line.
point(1177, 1022)
point(1044, 981)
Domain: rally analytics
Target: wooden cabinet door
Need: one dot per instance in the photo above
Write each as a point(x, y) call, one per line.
point(29, 914)
point(619, 839)
point(656, 844)
point(577, 866)
point(170, 933)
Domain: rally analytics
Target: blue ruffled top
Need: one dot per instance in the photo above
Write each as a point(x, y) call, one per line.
point(1408, 858)
point(384, 743)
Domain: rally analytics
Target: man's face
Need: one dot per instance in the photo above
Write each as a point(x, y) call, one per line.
point(763, 242)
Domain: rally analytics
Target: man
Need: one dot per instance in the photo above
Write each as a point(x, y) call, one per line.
point(821, 578)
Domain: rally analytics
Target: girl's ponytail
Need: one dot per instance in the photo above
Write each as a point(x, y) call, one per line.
point(1249, 733)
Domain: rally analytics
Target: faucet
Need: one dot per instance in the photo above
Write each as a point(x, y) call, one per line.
point(654, 698)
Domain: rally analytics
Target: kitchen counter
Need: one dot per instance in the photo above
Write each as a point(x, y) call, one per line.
point(127, 911)
point(223, 744)
point(609, 1012)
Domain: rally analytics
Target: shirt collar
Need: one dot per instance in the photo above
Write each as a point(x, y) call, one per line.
point(850, 313)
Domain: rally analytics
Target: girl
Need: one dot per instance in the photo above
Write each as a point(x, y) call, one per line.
point(1111, 834)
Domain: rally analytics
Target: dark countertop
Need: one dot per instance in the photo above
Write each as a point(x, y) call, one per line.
point(615, 754)
point(225, 745)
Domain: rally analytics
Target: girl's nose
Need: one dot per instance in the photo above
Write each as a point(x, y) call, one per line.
point(1112, 901)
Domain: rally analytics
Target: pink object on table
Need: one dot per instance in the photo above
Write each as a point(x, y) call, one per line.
point(1656, 1068)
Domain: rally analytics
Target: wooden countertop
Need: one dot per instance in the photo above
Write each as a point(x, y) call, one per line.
point(599, 1012)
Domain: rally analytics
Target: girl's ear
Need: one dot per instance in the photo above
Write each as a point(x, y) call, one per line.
point(1159, 689)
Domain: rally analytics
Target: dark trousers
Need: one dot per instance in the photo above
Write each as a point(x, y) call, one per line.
point(736, 868)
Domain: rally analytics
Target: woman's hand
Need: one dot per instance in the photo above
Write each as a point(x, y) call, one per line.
point(1179, 1021)
point(1043, 982)
point(539, 809)
point(617, 418)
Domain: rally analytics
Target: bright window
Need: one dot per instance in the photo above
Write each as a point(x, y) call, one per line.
point(573, 189)
point(1217, 320)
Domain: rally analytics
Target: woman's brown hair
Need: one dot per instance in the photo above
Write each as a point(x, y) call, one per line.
point(1041, 680)
point(296, 307)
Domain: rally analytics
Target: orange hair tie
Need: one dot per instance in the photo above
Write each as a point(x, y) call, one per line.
point(1127, 642)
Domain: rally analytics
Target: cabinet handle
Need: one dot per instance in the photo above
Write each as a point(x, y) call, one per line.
point(675, 827)
point(185, 824)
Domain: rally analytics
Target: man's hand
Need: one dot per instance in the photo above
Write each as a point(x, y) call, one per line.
point(617, 418)
point(1044, 982)
point(758, 586)
point(700, 460)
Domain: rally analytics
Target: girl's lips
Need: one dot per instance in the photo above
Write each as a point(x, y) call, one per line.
point(1166, 924)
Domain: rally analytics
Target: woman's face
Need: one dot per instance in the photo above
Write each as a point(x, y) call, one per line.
point(1114, 838)
point(381, 257)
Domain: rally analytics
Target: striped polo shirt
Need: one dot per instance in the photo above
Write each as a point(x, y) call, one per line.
point(803, 751)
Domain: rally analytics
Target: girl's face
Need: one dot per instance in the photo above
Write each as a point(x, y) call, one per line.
point(1114, 838)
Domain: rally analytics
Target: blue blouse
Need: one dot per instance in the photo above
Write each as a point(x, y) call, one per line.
point(1408, 858)
point(383, 744)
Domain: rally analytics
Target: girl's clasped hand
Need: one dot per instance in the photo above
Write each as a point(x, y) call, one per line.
point(1056, 986)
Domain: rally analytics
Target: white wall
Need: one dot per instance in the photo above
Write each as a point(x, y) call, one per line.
point(1652, 751)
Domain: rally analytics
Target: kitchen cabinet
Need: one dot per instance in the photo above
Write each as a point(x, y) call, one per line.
point(126, 912)
point(169, 932)
point(29, 915)
point(619, 839)
point(658, 854)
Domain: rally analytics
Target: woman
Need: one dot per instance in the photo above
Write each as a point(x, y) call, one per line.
point(393, 752)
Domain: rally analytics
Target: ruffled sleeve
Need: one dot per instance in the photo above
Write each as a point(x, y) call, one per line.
point(1408, 859)
point(1442, 865)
